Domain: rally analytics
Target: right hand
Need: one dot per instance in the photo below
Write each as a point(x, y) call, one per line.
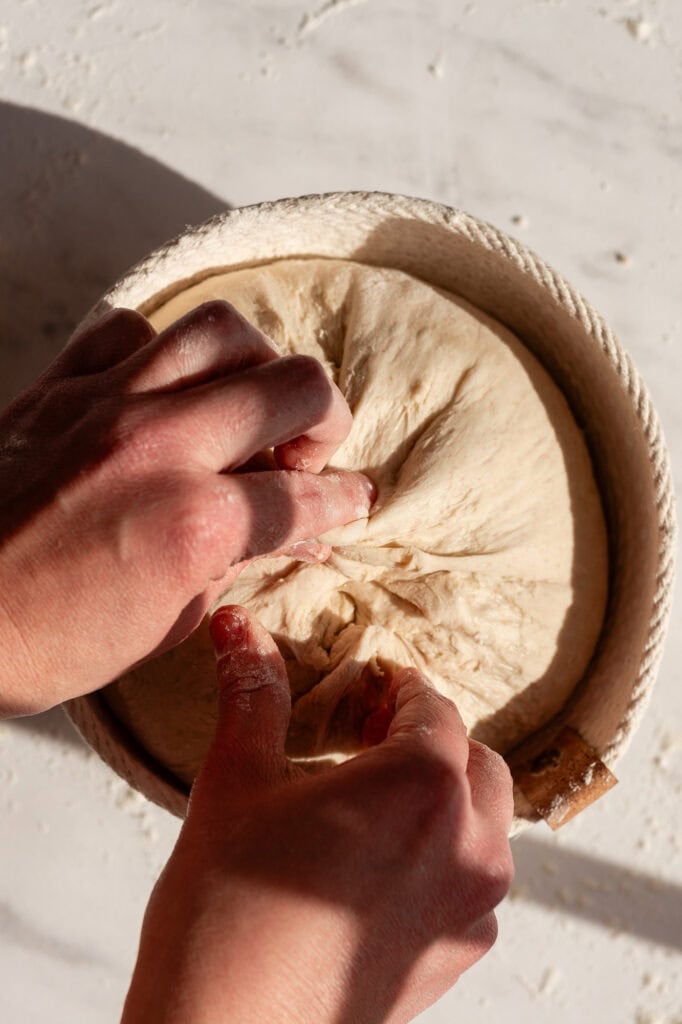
point(120, 517)
point(357, 895)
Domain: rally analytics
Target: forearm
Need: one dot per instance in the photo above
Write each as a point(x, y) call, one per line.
point(18, 681)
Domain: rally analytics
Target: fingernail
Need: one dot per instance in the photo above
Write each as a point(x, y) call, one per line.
point(228, 628)
point(309, 551)
point(369, 487)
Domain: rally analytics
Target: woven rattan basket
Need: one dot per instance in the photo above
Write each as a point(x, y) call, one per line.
point(561, 768)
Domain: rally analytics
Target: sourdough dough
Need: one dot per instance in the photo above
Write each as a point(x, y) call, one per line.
point(484, 562)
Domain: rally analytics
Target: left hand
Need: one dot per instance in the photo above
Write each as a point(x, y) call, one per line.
point(121, 516)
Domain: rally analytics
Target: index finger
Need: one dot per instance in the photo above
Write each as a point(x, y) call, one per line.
point(426, 719)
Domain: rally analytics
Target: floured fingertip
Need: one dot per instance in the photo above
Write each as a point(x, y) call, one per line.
point(229, 629)
point(310, 551)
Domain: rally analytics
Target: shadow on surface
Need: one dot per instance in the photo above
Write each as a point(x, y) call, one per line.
point(610, 895)
point(53, 724)
point(77, 209)
point(18, 931)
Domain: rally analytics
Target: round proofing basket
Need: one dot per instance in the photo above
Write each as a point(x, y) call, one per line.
point(558, 769)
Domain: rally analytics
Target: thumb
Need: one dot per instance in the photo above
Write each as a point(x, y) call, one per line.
point(254, 705)
point(425, 720)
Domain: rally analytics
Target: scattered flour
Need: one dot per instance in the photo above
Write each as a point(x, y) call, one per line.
point(311, 21)
point(639, 28)
point(136, 806)
point(549, 981)
point(98, 11)
point(645, 1017)
point(437, 66)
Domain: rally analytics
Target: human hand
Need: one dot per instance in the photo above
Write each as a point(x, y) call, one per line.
point(357, 895)
point(120, 521)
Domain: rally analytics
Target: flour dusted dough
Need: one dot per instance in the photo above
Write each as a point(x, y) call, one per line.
point(484, 562)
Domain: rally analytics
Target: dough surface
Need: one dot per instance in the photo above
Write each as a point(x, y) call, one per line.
point(484, 562)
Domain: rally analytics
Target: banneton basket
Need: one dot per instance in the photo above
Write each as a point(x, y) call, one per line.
point(565, 765)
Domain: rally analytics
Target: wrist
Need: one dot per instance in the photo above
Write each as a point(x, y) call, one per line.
point(272, 957)
point(19, 693)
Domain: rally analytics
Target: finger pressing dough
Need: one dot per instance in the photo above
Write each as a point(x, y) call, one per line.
point(484, 560)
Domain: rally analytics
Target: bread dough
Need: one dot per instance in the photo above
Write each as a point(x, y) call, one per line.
point(484, 562)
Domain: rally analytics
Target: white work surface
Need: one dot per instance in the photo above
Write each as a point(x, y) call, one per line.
point(558, 120)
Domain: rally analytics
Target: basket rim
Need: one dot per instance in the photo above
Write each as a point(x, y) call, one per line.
point(494, 240)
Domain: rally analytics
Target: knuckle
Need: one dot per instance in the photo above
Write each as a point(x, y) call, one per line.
point(499, 877)
point(213, 326)
point(440, 780)
point(128, 321)
point(489, 764)
point(314, 497)
point(492, 879)
point(218, 313)
point(483, 935)
point(60, 406)
point(436, 785)
point(310, 376)
point(219, 323)
point(495, 762)
point(192, 539)
point(120, 318)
